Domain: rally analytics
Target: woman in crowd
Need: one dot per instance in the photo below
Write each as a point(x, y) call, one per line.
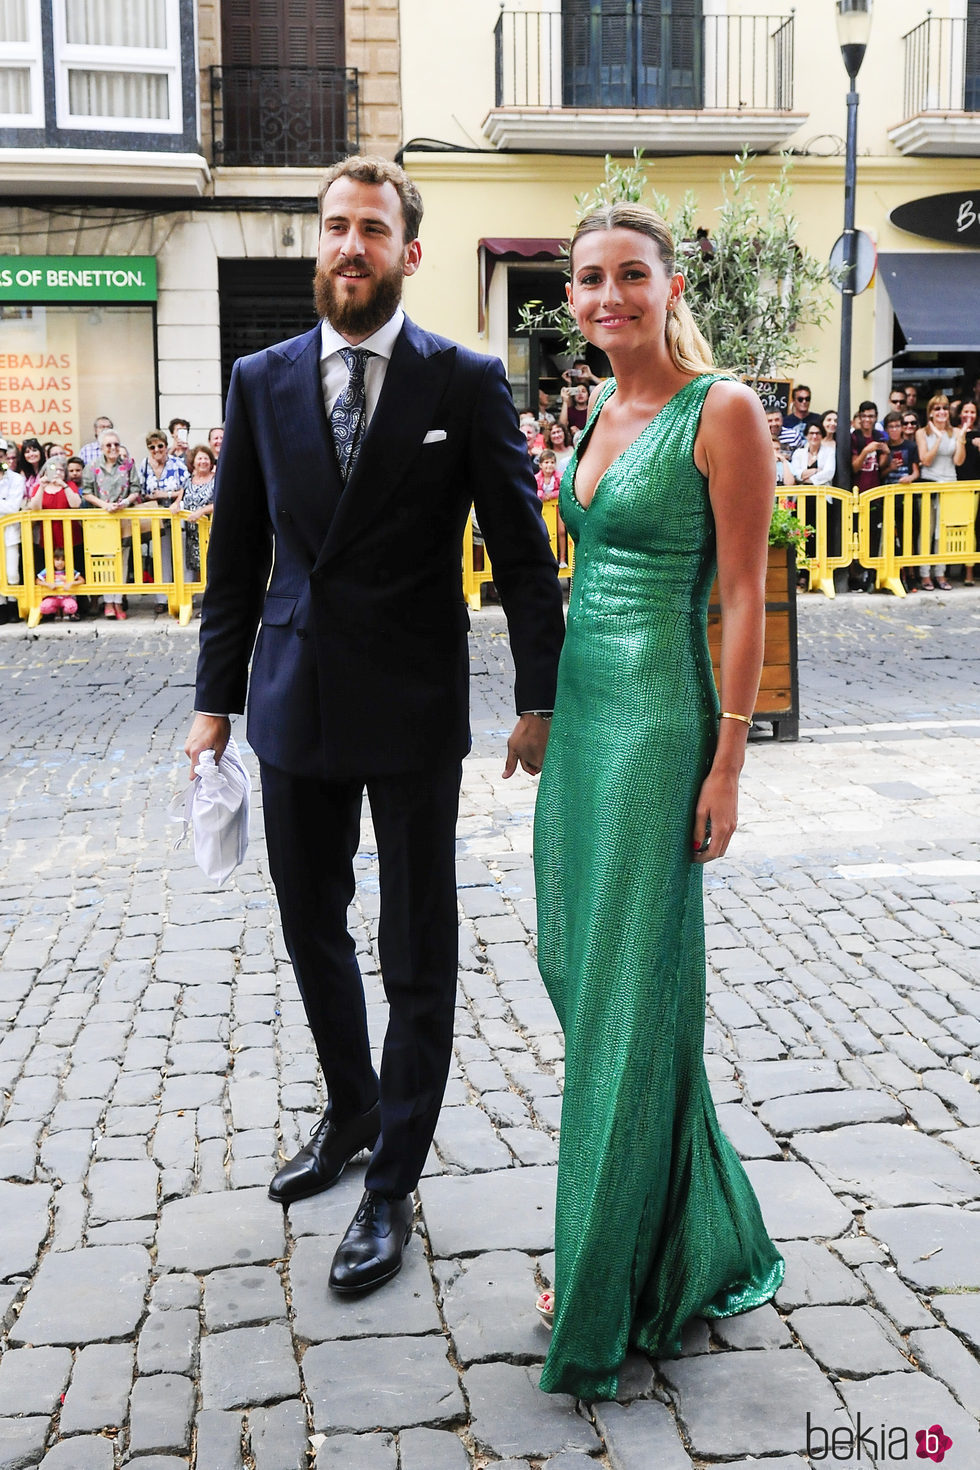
point(111, 485)
point(574, 406)
point(970, 467)
point(29, 464)
point(814, 463)
point(55, 493)
point(560, 441)
point(198, 501)
point(163, 478)
point(656, 1222)
point(828, 422)
point(940, 451)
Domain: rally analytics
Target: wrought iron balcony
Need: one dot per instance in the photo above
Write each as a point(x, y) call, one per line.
point(942, 88)
point(584, 57)
point(284, 116)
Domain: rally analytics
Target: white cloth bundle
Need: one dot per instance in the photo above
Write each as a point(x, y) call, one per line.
point(215, 807)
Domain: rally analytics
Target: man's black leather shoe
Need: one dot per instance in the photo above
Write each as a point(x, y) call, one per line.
point(371, 1251)
point(321, 1162)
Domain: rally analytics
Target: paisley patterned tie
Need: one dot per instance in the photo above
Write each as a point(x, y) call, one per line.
point(348, 413)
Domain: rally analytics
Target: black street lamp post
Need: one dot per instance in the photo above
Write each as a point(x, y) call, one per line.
point(853, 29)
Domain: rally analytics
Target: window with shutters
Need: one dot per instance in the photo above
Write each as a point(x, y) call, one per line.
point(118, 65)
point(21, 77)
point(283, 95)
point(632, 53)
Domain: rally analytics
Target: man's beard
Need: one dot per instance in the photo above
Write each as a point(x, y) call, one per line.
point(353, 318)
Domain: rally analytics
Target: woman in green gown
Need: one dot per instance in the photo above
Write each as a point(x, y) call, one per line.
point(656, 1220)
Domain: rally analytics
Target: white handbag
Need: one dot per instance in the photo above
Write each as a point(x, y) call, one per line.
point(215, 807)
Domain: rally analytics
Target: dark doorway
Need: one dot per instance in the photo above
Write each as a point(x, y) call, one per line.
point(632, 53)
point(285, 95)
point(261, 302)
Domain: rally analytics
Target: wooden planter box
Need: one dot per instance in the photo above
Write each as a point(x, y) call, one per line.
point(779, 691)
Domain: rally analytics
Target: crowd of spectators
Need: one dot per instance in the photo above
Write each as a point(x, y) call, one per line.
point(903, 446)
point(105, 477)
point(938, 443)
point(910, 443)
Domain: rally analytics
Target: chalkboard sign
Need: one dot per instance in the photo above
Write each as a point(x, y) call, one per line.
point(775, 393)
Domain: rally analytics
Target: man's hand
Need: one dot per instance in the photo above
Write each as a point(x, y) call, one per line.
point(527, 745)
point(208, 732)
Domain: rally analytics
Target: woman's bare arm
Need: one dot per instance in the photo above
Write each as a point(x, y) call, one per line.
point(741, 492)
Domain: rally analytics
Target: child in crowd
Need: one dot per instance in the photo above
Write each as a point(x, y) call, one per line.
point(59, 602)
point(549, 483)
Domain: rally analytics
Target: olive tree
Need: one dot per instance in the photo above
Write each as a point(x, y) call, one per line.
point(750, 286)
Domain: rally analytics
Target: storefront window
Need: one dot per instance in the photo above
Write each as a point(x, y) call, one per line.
point(118, 61)
point(77, 340)
point(63, 366)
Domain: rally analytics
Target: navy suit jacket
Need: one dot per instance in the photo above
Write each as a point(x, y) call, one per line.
point(361, 665)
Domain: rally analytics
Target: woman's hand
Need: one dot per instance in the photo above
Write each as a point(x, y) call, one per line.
point(717, 814)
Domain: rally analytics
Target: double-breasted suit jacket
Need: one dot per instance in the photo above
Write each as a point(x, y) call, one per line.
point(361, 664)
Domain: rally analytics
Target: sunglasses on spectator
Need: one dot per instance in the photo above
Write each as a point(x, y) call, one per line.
point(802, 397)
point(897, 398)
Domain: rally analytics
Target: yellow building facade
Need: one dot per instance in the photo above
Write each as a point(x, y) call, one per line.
point(508, 110)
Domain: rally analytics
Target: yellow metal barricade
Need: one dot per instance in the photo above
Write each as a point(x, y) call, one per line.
point(476, 567)
point(914, 526)
point(101, 558)
point(476, 561)
point(193, 582)
point(834, 542)
point(549, 514)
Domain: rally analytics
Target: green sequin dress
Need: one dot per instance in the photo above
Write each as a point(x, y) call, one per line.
point(656, 1219)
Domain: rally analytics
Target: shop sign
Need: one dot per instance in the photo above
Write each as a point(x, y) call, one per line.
point(952, 218)
point(57, 278)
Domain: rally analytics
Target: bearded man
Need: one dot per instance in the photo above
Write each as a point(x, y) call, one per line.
point(350, 557)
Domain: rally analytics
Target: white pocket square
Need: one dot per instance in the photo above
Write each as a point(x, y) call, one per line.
point(434, 436)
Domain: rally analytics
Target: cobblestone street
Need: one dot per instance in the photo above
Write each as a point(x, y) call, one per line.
point(158, 1311)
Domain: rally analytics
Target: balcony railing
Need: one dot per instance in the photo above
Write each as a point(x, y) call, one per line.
point(942, 66)
point(586, 59)
point(284, 116)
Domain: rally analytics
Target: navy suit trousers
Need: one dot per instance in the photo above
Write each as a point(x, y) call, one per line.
point(312, 829)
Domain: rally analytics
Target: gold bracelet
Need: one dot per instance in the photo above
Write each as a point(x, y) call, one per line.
point(726, 714)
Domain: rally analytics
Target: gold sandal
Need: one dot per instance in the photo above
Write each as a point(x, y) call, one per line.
point(545, 1308)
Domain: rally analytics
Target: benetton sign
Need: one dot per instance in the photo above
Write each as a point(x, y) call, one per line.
point(952, 218)
point(57, 278)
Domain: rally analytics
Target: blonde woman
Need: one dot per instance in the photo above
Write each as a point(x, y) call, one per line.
point(656, 1219)
point(940, 451)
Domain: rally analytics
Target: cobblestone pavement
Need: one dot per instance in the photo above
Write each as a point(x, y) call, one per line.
point(158, 1311)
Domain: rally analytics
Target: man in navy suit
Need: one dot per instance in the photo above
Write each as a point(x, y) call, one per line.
point(343, 488)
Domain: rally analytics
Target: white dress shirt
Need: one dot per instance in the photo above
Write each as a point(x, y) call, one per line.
point(334, 373)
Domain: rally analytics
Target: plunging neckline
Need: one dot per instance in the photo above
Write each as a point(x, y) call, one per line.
point(587, 434)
